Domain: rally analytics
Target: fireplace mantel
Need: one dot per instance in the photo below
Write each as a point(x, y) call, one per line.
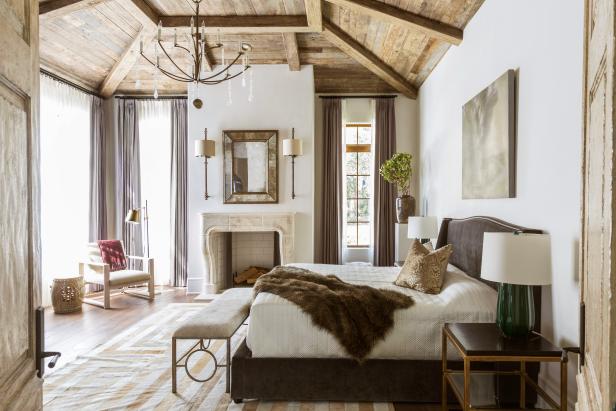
point(213, 223)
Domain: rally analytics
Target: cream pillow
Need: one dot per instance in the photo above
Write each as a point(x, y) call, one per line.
point(424, 268)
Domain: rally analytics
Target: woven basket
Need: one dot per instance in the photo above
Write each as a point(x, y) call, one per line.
point(67, 295)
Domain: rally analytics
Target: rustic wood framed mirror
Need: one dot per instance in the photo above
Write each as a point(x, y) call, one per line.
point(251, 166)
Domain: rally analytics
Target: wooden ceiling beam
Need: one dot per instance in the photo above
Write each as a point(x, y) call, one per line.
point(367, 59)
point(394, 15)
point(244, 24)
point(141, 11)
point(123, 66)
point(290, 44)
point(314, 14)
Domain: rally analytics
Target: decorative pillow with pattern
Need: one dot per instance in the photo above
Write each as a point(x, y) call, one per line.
point(424, 268)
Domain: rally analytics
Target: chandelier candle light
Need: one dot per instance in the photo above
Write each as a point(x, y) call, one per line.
point(196, 73)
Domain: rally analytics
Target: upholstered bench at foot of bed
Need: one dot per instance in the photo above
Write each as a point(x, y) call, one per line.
point(218, 320)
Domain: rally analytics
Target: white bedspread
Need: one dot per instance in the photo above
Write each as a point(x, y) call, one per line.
point(278, 328)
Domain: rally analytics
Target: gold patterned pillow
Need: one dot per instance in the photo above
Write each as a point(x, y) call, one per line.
point(424, 269)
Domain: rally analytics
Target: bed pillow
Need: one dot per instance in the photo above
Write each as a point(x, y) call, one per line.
point(424, 268)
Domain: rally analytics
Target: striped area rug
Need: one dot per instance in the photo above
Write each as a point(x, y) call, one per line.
point(133, 371)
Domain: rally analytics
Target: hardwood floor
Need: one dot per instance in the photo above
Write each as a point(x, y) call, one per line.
point(78, 333)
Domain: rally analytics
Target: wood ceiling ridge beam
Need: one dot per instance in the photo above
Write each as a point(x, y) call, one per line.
point(367, 59)
point(407, 19)
point(256, 24)
point(290, 45)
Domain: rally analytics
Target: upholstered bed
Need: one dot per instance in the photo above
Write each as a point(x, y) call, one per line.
point(285, 357)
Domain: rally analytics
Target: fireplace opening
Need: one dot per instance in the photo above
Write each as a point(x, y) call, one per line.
point(249, 255)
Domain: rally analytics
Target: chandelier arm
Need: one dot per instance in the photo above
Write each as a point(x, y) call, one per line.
point(170, 59)
point(224, 69)
point(214, 82)
point(167, 73)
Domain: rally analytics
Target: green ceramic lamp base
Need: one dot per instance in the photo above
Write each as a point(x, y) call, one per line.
point(515, 310)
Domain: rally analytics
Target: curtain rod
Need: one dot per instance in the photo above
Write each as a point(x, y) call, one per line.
point(372, 96)
point(69, 83)
point(126, 97)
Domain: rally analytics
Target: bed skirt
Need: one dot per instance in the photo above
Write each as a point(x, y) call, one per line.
point(339, 379)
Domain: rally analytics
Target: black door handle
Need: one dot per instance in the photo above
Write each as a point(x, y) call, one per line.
point(41, 354)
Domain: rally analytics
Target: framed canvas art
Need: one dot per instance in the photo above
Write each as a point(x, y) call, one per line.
point(488, 141)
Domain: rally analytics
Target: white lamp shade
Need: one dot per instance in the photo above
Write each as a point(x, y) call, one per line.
point(205, 148)
point(422, 227)
point(292, 147)
point(522, 259)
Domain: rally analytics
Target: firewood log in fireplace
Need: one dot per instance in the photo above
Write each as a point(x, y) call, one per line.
point(250, 275)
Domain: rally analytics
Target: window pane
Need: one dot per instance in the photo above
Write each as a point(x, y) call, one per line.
point(351, 234)
point(350, 135)
point(351, 211)
point(351, 182)
point(350, 163)
point(364, 163)
point(364, 187)
point(363, 210)
point(363, 237)
point(365, 135)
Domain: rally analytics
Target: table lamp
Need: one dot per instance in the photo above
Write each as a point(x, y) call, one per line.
point(422, 228)
point(517, 261)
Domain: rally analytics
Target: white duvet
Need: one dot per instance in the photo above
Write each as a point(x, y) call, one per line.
point(278, 328)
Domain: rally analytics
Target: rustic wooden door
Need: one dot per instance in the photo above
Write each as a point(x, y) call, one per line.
point(597, 377)
point(20, 389)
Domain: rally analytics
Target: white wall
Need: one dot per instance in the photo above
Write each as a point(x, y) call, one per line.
point(407, 140)
point(544, 42)
point(282, 99)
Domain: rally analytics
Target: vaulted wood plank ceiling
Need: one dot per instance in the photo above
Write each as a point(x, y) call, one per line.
point(355, 45)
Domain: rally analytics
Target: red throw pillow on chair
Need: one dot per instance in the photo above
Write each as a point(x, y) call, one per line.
point(112, 253)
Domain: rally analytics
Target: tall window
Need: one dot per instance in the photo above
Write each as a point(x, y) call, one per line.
point(155, 165)
point(65, 183)
point(358, 160)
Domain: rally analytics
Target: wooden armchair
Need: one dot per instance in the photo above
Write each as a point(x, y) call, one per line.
point(95, 271)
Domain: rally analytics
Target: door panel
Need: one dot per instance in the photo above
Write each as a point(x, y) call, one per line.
point(20, 389)
point(596, 379)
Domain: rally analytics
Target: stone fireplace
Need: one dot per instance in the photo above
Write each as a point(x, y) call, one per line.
point(215, 245)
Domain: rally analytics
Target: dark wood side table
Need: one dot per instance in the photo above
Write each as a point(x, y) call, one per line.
point(484, 342)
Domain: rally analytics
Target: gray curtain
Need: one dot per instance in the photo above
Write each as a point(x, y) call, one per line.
point(384, 193)
point(98, 209)
point(128, 181)
point(329, 240)
point(179, 193)
point(98, 198)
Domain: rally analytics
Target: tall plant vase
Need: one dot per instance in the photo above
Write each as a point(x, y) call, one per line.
point(405, 207)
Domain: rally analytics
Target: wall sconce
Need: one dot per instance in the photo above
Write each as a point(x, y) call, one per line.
point(293, 148)
point(205, 148)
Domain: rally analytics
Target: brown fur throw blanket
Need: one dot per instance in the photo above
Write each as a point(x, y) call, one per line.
point(358, 316)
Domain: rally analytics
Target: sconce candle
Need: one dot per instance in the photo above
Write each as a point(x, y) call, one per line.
point(292, 148)
point(205, 148)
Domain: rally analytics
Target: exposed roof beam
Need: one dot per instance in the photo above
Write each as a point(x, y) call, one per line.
point(141, 11)
point(244, 24)
point(314, 14)
point(367, 59)
point(121, 68)
point(384, 11)
point(290, 44)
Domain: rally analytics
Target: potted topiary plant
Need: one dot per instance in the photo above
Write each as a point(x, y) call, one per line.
point(398, 170)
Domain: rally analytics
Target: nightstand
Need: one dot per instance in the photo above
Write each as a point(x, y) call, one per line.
point(484, 342)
